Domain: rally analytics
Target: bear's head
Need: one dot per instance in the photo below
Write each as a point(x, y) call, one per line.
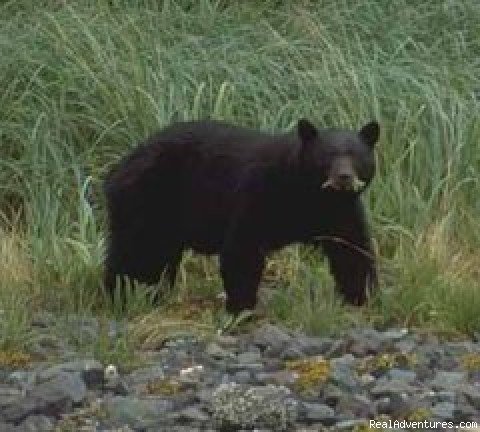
point(338, 160)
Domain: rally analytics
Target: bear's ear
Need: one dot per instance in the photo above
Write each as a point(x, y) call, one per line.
point(369, 133)
point(306, 130)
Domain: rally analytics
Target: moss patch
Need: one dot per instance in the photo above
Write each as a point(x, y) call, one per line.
point(311, 372)
point(386, 361)
point(15, 359)
point(419, 414)
point(163, 387)
point(471, 362)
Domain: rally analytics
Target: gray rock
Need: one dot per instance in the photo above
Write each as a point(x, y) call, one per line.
point(367, 379)
point(137, 413)
point(402, 375)
point(389, 388)
point(447, 380)
point(443, 410)
point(463, 410)
point(7, 427)
point(424, 372)
point(249, 357)
point(339, 347)
point(458, 349)
point(394, 334)
point(365, 342)
point(50, 398)
point(90, 370)
point(346, 359)
point(437, 359)
point(9, 394)
point(242, 377)
point(343, 374)
point(356, 406)
point(226, 340)
point(71, 366)
point(242, 407)
point(144, 375)
point(396, 405)
point(317, 412)
point(282, 377)
point(350, 425)
point(252, 367)
point(383, 405)
point(292, 353)
point(33, 400)
point(472, 395)
point(70, 384)
point(445, 396)
point(204, 396)
point(369, 341)
point(474, 377)
point(313, 346)
point(23, 379)
point(405, 346)
point(116, 386)
point(217, 352)
point(226, 379)
point(271, 338)
point(304, 346)
point(332, 395)
point(192, 414)
point(36, 423)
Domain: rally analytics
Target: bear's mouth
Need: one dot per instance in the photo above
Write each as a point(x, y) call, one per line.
point(355, 185)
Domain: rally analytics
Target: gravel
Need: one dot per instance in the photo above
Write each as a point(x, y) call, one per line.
point(270, 379)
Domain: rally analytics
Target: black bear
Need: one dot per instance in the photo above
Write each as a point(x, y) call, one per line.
point(240, 193)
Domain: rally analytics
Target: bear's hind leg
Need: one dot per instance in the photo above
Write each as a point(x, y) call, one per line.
point(122, 270)
point(140, 257)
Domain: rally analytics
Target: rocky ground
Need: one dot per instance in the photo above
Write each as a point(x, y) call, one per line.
point(267, 379)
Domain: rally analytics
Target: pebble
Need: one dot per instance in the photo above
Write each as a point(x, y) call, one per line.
point(51, 398)
point(343, 373)
point(402, 375)
point(317, 412)
point(472, 395)
point(445, 380)
point(271, 339)
point(443, 410)
point(217, 352)
point(241, 383)
point(249, 357)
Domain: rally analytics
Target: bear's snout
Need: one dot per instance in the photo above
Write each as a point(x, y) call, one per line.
point(345, 180)
point(342, 175)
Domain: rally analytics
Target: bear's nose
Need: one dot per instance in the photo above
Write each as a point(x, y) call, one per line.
point(345, 178)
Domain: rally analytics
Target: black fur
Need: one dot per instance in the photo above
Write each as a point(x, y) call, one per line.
point(240, 193)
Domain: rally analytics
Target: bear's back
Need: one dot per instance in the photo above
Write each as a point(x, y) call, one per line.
point(192, 173)
point(215, 154)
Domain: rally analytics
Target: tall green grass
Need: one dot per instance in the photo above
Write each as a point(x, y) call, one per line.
point(82, 82)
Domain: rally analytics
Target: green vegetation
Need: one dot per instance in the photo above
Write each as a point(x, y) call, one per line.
point(82, 82)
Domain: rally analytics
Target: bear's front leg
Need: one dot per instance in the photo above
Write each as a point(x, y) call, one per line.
point(241, 267)
point(350, 254)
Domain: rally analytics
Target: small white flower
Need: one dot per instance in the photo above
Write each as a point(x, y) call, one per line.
point(191, 370)
point(111, 372)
